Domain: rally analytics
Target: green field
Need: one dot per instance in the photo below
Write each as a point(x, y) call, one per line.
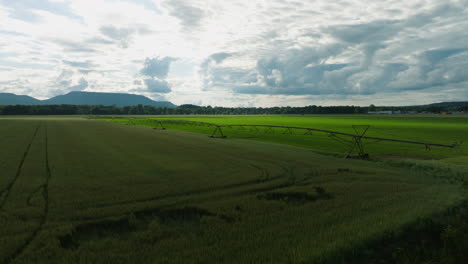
point(431, 128)
point(76, 190)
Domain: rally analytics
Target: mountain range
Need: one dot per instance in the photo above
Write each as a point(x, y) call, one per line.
point(123, 99)
point(84, 98)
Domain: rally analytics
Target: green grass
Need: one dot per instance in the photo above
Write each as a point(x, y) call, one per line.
point(131, 194)
point(431, 128)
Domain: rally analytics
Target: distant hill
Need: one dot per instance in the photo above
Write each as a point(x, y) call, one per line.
point(118, 99)
point(449, 104)
point(84, 98)
point(13, 99)
point(189, 106)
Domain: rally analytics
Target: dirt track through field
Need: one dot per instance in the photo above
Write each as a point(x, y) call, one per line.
point(5, 192)
point(45, 195)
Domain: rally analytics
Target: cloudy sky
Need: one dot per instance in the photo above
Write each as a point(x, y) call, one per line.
point(238, 52)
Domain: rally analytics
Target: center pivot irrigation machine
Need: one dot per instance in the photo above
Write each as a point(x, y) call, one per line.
point(353, 141)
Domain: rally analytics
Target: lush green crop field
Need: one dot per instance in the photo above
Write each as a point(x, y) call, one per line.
point(431, 128)
point(88, 191)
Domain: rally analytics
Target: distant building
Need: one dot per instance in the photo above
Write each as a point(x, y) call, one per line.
point(389, 112)
point(381, 112)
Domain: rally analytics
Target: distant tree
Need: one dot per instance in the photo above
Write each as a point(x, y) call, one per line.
point(208, 110)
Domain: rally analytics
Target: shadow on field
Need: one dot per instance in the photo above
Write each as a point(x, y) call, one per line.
point(94, 230)
point(137, 221)
point(442, 238)
point(296, 197)
point(264, 187)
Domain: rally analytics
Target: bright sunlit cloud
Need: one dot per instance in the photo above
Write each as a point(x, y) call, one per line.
point(239, 52)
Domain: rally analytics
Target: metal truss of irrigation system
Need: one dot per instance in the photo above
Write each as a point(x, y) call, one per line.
point(354, 141)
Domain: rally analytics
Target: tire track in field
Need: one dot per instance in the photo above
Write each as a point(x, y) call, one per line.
point(45, 195)
point(202, 191)
point(191, 200)
point(5, 192)
point(253, 186)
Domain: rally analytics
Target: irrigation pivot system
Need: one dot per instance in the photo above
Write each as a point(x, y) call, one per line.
point(354, 141)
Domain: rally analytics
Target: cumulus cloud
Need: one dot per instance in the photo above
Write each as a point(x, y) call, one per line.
point(189, 15)
point(116, 33)
point(65, 78)
point(292, 72)
point(358, 59)
point(157, 86)
point(123, 35)
point(68, 81)
point(98, 41)
point(157, 70)
point(157, 67)
point(434, 68)
point(376, 31)
point(12, 33)
point(74, 47)
point(233, 52)
point(215, 58)
point(82, 84)
point(18, 86)
point(25, 10)
point(79, 64)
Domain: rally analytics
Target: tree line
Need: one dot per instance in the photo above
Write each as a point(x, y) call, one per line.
point(208, 110)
